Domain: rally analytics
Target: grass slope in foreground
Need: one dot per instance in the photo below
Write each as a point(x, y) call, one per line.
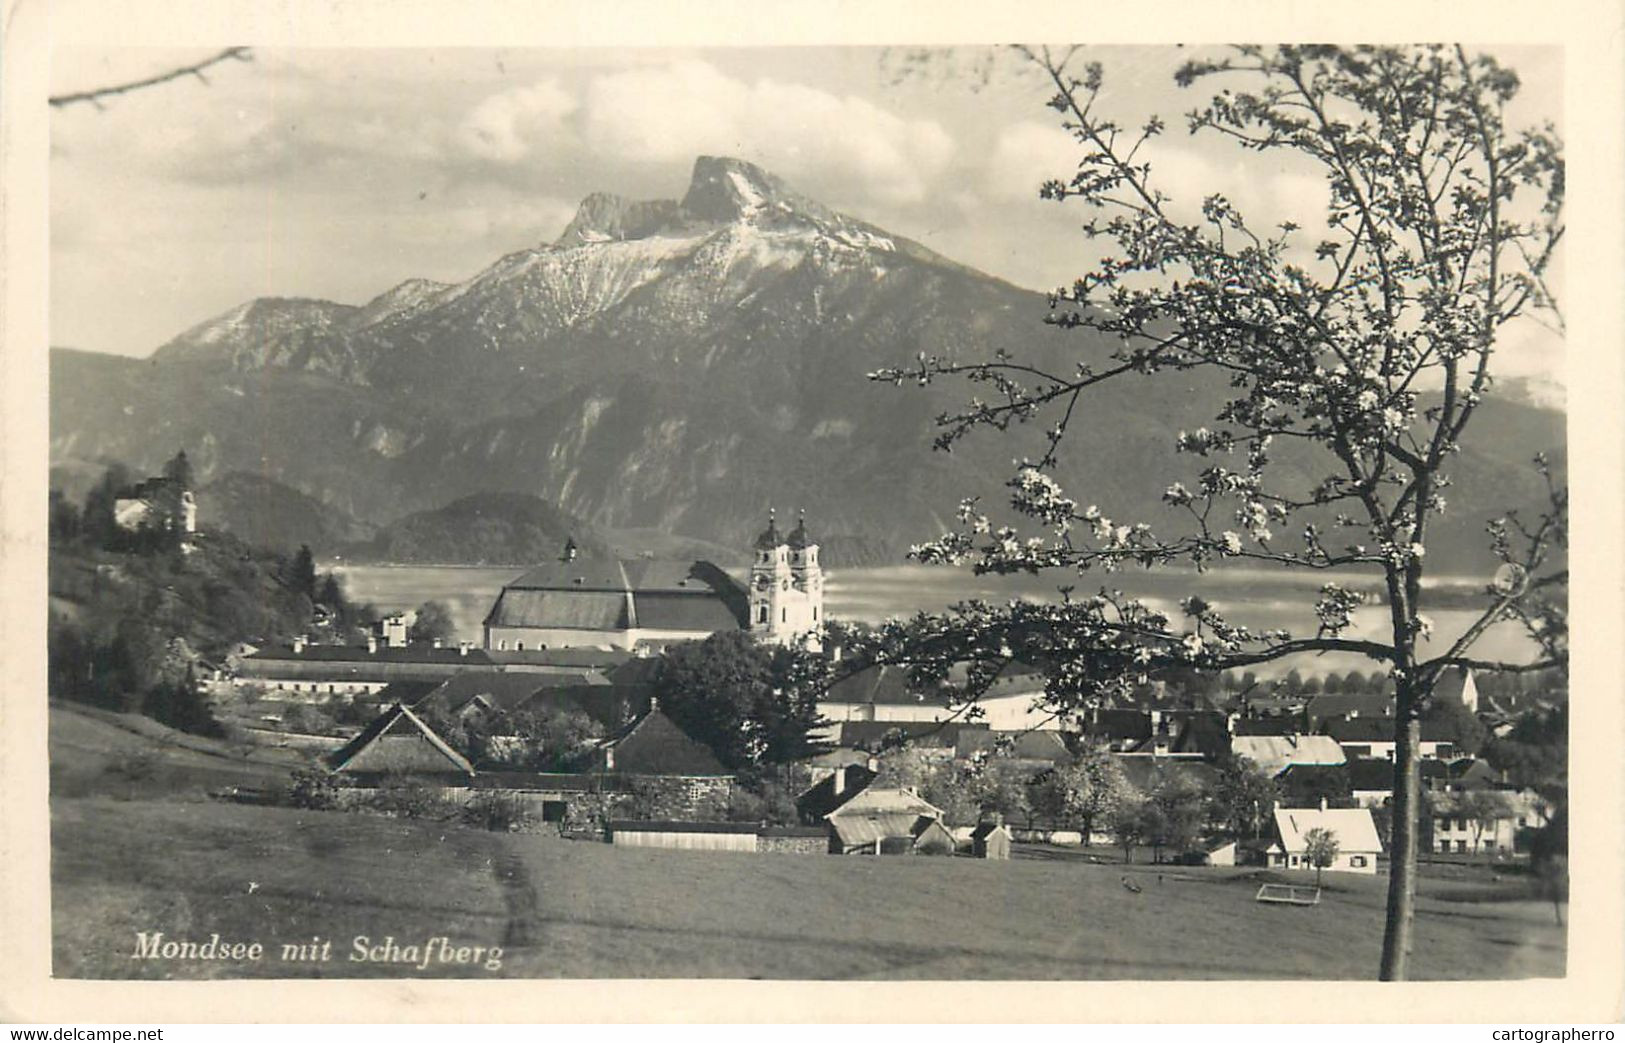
point(572, 909)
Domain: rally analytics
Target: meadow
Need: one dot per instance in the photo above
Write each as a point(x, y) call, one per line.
point(161, 856)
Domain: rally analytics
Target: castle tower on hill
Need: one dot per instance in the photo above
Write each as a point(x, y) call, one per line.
point(786, 585)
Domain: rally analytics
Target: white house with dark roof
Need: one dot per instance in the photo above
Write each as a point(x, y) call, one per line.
point(1354, 829)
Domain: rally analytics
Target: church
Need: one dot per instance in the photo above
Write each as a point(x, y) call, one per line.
point(646, 605)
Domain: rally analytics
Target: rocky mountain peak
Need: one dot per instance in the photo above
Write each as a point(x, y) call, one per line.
point(605, 217)
point(724, 189)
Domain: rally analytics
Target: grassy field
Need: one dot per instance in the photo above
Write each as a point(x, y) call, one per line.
point(95, 752)
point(581, 909)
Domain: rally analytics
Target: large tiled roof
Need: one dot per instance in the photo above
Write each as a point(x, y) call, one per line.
point(622, 595)
point(562, 609)
point(698, 611)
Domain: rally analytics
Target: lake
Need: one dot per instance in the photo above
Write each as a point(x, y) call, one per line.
point(1255, 598)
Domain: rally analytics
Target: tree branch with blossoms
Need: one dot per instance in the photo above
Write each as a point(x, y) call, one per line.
point(1371, 345)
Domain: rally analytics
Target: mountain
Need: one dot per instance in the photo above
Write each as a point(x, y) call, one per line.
point(484, 529)
point(675, 365)
point(266, 513)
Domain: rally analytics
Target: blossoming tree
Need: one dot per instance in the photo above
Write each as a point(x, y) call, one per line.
point(1372, 345)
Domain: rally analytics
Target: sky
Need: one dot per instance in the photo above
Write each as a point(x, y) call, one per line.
point(340, 173)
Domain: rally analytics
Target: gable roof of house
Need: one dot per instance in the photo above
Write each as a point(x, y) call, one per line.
point(885, 800)
point(1036, 745)
point(1381, 729)
point(986, 829)
point(879, 686)
point(1354, 828)
point(491, 688)
point(1287, 724)
point(861, 830)
point(1273, 753)
point(655, 745)
point(397, 740)
point(1143, 772)
point(1331, 705)
point(1371, 775)
point(819, 799)
point(1117, 725)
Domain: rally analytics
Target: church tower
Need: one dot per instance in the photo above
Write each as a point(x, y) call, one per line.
point(786, 585)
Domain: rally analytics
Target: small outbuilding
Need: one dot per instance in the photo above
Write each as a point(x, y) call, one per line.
point(991, 839)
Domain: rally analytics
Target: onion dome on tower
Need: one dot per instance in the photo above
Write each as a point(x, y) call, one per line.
point(799, 538)
point(769, 539)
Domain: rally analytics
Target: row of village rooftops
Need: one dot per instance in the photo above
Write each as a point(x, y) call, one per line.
point(644, 748)
point(868, 705)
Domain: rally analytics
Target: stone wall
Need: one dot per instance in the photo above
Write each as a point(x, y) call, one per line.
point(797, 843)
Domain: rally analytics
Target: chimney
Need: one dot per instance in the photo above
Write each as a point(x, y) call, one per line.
point(839, 781)
point(299, 645)
point(1323, 803)
point(437, 642)
point(372, 643)
point(464, 646)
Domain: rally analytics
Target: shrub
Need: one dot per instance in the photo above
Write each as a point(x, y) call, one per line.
point(314, 789)
point(498, 811)
point(409, 798)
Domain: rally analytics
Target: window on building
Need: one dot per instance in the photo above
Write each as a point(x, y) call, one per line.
point(1356, 861)
point(519, 646)
point(815, 612)
point(502, 645)
point(784, 615)
point(762, 616)
point(1461, 847)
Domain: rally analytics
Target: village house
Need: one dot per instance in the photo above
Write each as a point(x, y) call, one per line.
point(650, 764)
point(883, 821)
point(877, 693)
point(1354, 829)
point(1481, 820)
point(399, 744)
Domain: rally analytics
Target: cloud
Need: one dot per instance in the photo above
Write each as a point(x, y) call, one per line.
point(686, 108)
point(508, 127)
point(1026, 155)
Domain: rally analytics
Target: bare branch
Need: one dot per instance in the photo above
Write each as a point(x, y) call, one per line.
point(94, 97)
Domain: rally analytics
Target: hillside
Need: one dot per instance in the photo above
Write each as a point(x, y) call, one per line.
point(676, 365)
point(483, 529)
point(266, 513)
